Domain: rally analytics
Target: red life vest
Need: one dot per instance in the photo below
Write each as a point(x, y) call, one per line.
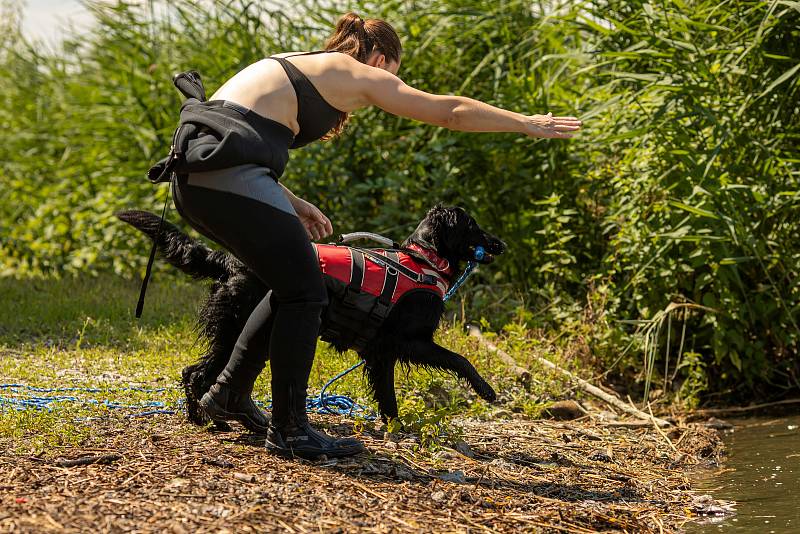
point(364, 285)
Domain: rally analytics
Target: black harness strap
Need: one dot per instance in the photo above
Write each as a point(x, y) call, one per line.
point(383, 304)
point(357, 277)
point(390, 282)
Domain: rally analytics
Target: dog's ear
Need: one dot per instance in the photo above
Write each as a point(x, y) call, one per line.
point(443, 215)
point(436, 211)
point(436, 223)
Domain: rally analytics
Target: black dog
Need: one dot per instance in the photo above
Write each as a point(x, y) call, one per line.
point(406, 336)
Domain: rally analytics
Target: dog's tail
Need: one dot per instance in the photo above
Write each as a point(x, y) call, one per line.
point(187, 254)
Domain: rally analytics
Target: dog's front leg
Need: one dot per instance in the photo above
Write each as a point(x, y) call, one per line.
point(381, 377)
point(433, 355)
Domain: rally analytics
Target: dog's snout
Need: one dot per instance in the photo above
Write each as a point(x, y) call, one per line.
point(496, 246)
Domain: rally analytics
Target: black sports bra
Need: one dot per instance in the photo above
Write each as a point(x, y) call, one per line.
point(314, 115)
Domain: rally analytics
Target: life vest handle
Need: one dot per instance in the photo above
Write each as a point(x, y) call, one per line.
point(380, 259)
point(355, 236)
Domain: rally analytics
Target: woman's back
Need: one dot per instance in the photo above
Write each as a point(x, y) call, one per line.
point(265, 86)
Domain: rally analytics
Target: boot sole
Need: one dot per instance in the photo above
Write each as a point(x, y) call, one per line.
point(288, 452)
point(217, 413)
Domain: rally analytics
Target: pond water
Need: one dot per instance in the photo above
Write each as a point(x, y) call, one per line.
point(761, 473)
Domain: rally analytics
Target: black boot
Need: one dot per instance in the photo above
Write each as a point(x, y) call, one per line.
point(291, 434)
point(223, 403)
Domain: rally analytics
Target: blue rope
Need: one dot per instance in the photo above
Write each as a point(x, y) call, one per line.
point(20, 401)
point(40, 402)
point(338, 404)
point(85, 389)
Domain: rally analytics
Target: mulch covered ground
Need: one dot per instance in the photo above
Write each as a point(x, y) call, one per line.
point(159, 474)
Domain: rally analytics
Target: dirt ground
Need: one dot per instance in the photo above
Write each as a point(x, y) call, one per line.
point(159, 474)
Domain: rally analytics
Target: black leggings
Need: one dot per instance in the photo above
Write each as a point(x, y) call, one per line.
point(275, 246)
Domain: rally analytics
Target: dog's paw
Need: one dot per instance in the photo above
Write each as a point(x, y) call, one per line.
point(220, 426)
point(486, 392)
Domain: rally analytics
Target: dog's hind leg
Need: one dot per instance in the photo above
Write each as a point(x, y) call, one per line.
point(428, 353)
point(193, 394)
point(230, 395)
point(199, 377)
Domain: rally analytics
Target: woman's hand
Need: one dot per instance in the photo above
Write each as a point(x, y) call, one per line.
point(551, 127)
point(316, 223)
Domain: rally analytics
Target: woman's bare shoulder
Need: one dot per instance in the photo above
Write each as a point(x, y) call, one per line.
point(286, 54)
point(335, 60)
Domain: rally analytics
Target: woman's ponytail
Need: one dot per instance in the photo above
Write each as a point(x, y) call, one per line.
point(350, 37)
point(359, 38)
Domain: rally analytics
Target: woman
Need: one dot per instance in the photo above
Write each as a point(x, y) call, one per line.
point(295, 99)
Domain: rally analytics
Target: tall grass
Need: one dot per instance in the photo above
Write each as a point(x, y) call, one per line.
point(683, 187)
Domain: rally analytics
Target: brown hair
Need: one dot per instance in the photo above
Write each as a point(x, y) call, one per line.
point(359, 38)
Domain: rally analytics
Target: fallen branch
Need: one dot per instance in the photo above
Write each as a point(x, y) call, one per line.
point(89, 460)
point(585, 386)
point(625, 424)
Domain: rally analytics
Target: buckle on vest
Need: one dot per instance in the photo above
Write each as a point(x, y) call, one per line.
point(429, 279)
point(379, 311)
point(349, 297)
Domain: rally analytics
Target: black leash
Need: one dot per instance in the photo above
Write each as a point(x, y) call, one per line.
point(149, 268)
point(191, 86)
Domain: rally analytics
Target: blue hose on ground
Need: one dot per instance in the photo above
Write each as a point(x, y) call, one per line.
point(21, 397)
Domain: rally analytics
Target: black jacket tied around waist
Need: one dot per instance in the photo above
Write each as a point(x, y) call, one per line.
point(218, 134)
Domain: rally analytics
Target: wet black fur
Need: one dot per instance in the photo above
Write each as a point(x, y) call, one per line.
point(406, 336)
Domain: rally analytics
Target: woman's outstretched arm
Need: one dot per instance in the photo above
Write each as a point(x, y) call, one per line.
point(385, 90)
